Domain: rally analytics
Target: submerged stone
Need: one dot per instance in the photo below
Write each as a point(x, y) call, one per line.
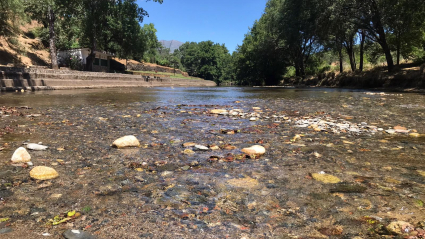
point(348, 188)
point(126, 141)
point(325, 178)
point(243, 182)
point(77, 234)
point(400, 227)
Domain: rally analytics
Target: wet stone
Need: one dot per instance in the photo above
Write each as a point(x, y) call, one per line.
point(5, 230)
point(347, 188)
point(77, 234)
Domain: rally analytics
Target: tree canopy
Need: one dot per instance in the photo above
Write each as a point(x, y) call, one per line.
point(295, 34)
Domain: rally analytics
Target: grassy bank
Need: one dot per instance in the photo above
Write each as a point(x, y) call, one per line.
point(167, 74)
point(403, 77)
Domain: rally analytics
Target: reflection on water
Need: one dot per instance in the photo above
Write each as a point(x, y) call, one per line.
point(213, 95)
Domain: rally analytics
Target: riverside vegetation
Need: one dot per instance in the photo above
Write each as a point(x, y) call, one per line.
point(212, 163)
point(301, 39)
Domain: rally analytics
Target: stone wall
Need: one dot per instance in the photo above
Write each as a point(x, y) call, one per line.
point(12, 79)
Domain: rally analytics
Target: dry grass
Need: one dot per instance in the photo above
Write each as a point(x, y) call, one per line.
point(23, 49)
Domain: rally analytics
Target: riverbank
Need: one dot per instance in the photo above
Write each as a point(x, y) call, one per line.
point(12, 79)
point(338, 164)
point(407, 77)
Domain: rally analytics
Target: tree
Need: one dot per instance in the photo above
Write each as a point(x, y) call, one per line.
point(205, 59)
point(10, 11)
point(404, 26)
point(48, 13)
point(152, 43)
point(107, 22)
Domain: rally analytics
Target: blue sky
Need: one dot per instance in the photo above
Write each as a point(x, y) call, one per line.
point(221, 21)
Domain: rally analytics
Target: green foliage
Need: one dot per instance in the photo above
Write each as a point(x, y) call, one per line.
point(206, 59)
point(11, 12)
point(86, 209)
point(308, 37)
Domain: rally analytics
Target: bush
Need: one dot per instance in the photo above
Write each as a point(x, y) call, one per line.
point(73, 62)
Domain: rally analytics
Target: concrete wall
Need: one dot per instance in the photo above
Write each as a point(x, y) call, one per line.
point(12, 79)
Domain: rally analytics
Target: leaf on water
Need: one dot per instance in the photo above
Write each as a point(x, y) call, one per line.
point(71, 213)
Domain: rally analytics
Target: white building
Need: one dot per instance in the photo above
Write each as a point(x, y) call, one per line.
point(101, 62)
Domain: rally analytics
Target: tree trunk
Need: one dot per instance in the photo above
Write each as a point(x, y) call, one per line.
point(398, 49)
point(92, 56)
point(362, 41)
point(388, 55)
point(341, 63)
point(382, 40)
point(302, 67)
point(349, 46)
point(297, 70)
point(52, 37)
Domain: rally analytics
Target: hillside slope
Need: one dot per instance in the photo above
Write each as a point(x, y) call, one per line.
point(24, 49)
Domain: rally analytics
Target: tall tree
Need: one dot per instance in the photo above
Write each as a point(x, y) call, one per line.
point(48, 12)
point(105, 24)
point(404, 24)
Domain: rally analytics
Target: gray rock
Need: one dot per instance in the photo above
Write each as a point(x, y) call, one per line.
point(5, 230)
point(77, 234)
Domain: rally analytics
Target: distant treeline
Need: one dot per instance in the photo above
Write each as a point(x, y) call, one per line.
point(304, 37)
point(292, 38)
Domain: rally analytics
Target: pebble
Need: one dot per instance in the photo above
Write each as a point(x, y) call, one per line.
point(325, 178)
point(400, 227)
point(256, 149)
point(36, 147)
point(21, 155)
point(77, 234)
point(201, 147)
point(188, 151)
point(43, 173)
point(218, 111)
point(189, 144)
point(247, 182)
point(166, 173)
point(253, 119)
point(126, 141)
point(5, 230)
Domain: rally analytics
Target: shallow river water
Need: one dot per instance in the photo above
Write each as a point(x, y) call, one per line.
point(338, 163)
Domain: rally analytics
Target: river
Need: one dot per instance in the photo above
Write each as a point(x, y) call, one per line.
point(338, 163)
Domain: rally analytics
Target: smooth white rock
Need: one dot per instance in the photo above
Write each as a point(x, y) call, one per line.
point(36, 147)
point(21, 155)
point(256, 149)
point(201, 147)
point(126, 141)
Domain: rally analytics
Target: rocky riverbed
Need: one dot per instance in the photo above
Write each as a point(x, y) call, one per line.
point(336, 164)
